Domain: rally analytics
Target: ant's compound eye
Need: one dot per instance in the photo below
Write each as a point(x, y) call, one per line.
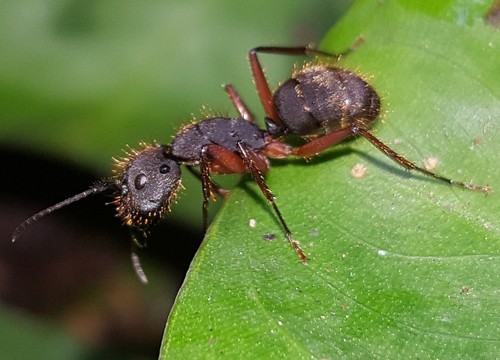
point(164, 169)
point(140, 181)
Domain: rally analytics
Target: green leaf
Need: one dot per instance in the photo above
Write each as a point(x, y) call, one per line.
point(401, 266)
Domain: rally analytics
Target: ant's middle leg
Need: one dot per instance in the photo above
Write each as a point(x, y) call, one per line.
point(251, 160)
point(318, 145)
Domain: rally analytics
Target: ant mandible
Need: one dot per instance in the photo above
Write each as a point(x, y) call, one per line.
point(325, 105)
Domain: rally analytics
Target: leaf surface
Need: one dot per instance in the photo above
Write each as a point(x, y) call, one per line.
point(401, 266)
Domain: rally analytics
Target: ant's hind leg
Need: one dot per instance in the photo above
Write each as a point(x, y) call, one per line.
point(318, 145)
point(401, 160)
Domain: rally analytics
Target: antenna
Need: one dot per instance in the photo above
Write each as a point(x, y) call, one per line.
point(95, 189)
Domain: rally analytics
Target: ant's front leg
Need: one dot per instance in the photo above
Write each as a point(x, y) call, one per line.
point(223, 193)
point(216, 158)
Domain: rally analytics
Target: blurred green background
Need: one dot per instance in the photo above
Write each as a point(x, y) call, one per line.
point(79, 80)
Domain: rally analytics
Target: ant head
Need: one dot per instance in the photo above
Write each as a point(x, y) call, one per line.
point(147, 181)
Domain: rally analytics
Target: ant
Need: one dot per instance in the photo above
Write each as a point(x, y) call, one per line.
point(325, 105)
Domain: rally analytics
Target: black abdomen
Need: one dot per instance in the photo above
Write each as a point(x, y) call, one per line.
point(320, 99)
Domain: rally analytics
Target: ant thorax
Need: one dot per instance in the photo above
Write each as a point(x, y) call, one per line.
point(223, 132)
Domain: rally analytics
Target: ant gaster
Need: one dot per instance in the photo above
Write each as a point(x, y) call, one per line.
point(325, 105)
